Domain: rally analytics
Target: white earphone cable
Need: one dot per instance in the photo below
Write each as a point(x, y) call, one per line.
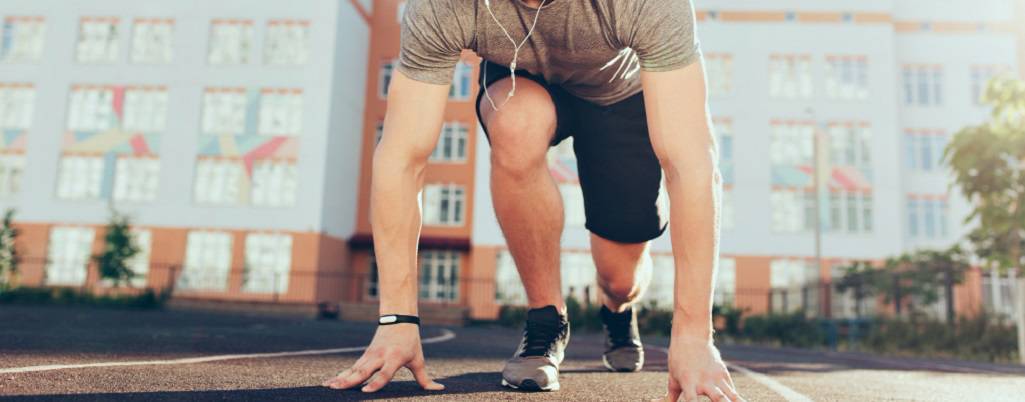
point(516, 53)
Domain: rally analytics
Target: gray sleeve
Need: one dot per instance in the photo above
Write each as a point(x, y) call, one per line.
point(663, 34)
point(431, 41)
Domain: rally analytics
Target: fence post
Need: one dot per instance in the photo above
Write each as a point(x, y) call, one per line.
point(274, 284)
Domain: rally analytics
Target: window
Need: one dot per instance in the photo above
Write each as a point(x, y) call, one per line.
point(207, 261)
point(136, 178)
point(23, 39)
point(91, 108)
point(981, 75)
point(439, 275)
point(287, 42)
point(68, 255)
point(443, 205)
point(11, 168)
point(925, 149)
point(728, 212)
point(790, 76)
point(274, 183)
point(791, 144)
point(719, 69)
point(460, 89)
point(452, 144)
point(268, 260)
point(218, 181)
point(724, 131)
point(928, 216)
point(847, 77)
point(224, 111)
point(281, 112)
point(153, 41)
point(573, 204)
point(99, 40)
point(385, 79)
point(850, 211)
point(725, 282)
point(17, 104)
point(850, 144)
point(792, 210)
point(231, 42)
point(793, 285)
point(508, 287)
point(850, 304)
point(80, 177)
point(923, 85)
point(145, 109)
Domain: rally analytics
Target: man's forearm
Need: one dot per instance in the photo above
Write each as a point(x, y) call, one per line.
point(395, 217)
point(694, 192)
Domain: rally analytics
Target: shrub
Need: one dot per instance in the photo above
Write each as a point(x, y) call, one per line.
point(784, 329)
point(147, 299)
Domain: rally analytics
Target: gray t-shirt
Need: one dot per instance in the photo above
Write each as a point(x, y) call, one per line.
point(591, 48)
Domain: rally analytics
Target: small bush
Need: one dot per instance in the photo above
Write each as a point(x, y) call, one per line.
point(148, 299)
point(980, 338)
point(784, 329)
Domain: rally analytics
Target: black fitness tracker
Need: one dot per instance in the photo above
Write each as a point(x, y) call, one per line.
point(392, 319)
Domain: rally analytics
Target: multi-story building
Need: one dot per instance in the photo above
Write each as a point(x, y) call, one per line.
point(240, 140)
point(215, 126)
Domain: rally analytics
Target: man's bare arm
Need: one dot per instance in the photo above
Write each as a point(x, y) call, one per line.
point(681, 135)
point(412, 125)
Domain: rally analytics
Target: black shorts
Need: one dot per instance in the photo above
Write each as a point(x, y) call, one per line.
point(620, 176)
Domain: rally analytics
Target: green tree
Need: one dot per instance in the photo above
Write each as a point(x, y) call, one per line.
point(908, 281)
point(988, 161)
point(119, 248)
point(9, 257)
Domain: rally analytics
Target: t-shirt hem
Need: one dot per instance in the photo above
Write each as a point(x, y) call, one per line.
point(691, 59)
point(426, 76)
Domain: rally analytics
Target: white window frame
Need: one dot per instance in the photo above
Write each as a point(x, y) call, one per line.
point(218, 182)
point(454, 138)
point(281, 112)
point(440, 275)
point(24, 38)
point(99, 40)
point(224, 111)
point(462, 82)
point(136, 179)
point(231, 42)
point(268, 263)
point(80, 177)
point(791, 77)
point(69, 251)
point(207, 267)
point(847, 77)
point(145, 109)
point(91, 108)
point(274, 183)
point(17, 106)
point(287, 43)
point(436, 198)
point(720, 74)
point(153, 41)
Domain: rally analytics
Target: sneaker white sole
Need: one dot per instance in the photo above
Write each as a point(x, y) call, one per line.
point(605, 361)
point(535, 387)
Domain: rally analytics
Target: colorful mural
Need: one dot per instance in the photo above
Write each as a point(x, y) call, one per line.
point(250, 146)
point(113, 142)
point(12, 141)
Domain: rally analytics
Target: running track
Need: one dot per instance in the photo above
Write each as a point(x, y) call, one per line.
point(49, 353)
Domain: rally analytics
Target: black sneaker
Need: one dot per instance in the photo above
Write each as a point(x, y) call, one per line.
point(623, 349)
point(535, 365)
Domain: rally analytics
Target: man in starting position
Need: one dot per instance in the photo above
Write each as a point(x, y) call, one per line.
point(625, 79)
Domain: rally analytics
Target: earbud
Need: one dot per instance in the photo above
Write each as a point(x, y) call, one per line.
point(516, 53)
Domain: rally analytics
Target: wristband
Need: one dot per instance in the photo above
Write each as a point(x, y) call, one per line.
point(392, 319)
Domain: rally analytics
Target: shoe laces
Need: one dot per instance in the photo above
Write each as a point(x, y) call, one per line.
point(619, 326)
point(539, 337)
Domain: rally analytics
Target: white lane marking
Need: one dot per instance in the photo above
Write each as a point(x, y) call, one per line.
point(776, 386)
point(446, 335)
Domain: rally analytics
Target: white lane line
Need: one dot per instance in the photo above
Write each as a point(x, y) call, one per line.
point(446, 335)
point(776, 386)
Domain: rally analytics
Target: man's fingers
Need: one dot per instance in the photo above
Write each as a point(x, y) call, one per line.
point(358, 374)
point(674, 390)
point(419, 370)
point(382, 378)
point(714, 393)
point(726, 386)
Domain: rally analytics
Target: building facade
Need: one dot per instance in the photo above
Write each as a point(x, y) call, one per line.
point(239, 136)
point(213, 125)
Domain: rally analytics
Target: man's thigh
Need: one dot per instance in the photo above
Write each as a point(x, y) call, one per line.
point(620, 175)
